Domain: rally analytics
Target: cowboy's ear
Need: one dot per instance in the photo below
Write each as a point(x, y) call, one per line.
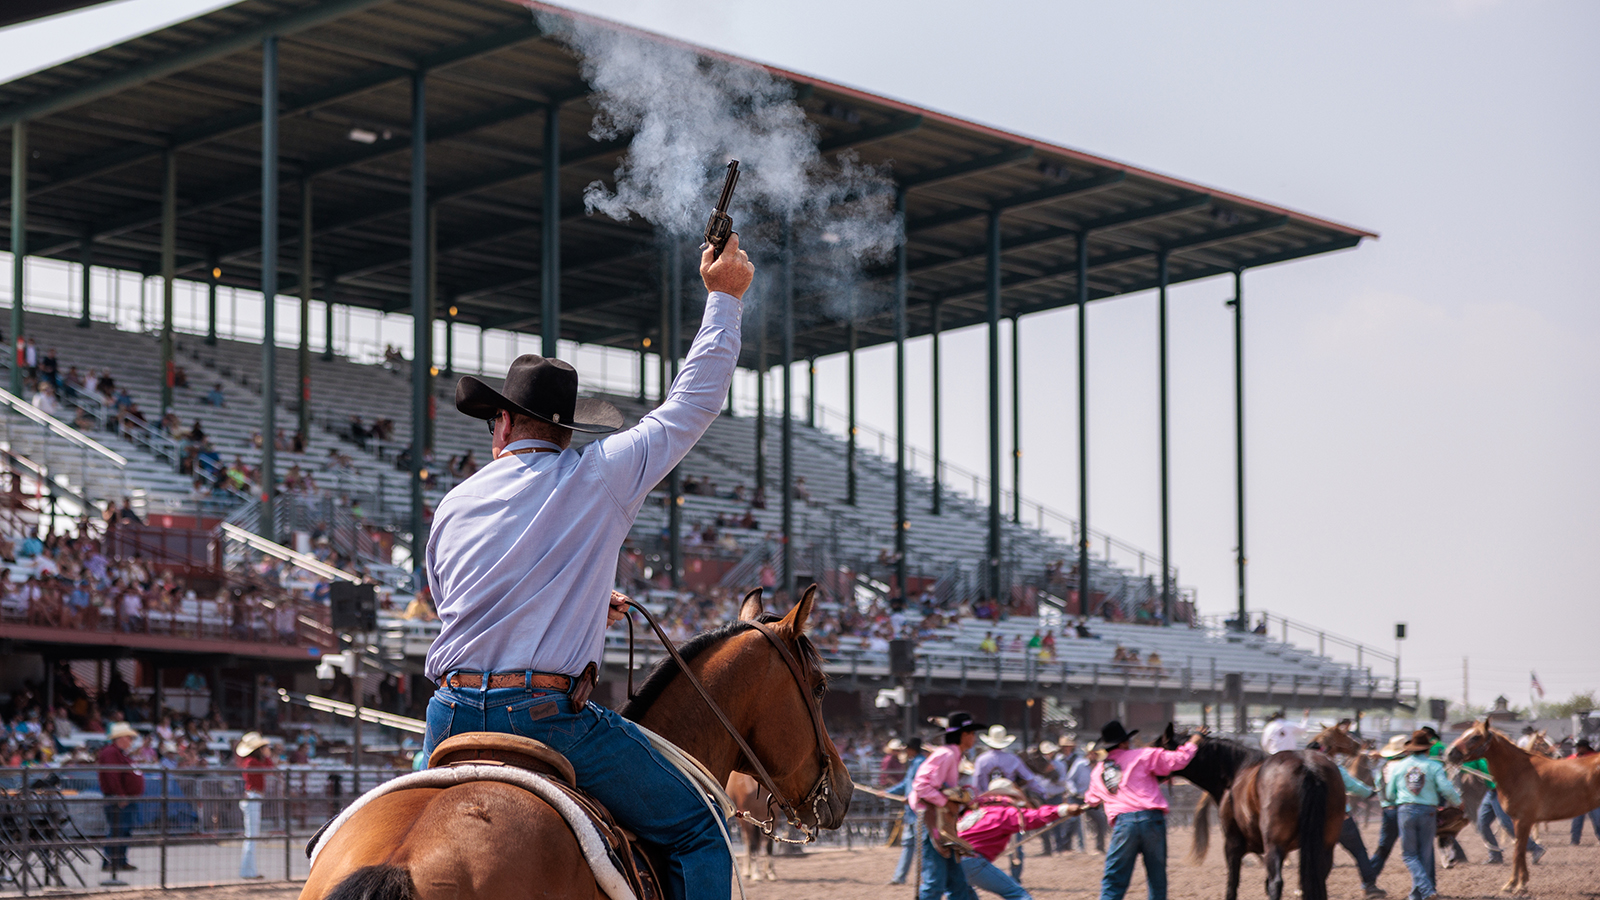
point(751, 608)
point(796, 619)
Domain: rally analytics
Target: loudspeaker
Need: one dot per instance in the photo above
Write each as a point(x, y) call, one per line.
point(354, 606)
point(1233, 687)
point(901, 662)
point(1438, 710)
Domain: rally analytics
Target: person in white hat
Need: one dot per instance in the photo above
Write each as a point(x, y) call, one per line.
point(999, 762)
point(119, 781)
point(254, 753)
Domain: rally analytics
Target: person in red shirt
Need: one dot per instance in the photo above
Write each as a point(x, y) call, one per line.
point(119, 781)
point(255, 756)
point(1002, 812)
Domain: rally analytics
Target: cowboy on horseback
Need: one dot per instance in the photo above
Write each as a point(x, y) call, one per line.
point(521, 560)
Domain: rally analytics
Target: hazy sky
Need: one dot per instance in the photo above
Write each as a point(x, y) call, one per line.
point(1423, 412)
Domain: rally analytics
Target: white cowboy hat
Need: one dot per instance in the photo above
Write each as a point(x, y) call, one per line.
point(1001, 786)
point(250, 743)
point(997, 737)
point(121, 729)
point(894, 744)
point(1396, 747)
point(1047, 748)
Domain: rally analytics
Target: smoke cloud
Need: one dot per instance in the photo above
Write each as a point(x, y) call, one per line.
point(687, 115)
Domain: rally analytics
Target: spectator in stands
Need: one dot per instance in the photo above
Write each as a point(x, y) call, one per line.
point(30, 358)
point(1047, 647)
point(1081, 629)
point(105, 386)
point(171, 425)
point(988, 644)
point(132, 420)
point(463, 467)
point(83, 421)
point(75, 379)
point(215, 397)
point(280, 442)
point(1153, 662)
point(119, 782)
point(45, 399)
point(126, 513)
point(50, 369)
point(180, 377)
point(801, 492)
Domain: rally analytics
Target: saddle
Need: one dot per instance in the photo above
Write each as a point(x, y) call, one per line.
point(944, 822)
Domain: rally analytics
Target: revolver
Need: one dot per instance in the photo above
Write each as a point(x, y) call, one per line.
point(720, 226)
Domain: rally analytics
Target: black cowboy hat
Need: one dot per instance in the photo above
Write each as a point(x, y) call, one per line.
point(543, 389)
point(958, 722)
point(1112, 734)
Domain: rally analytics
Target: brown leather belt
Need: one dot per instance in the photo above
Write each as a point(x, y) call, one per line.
point(577, 688)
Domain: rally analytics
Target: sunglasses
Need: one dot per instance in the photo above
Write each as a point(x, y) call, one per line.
point(493, 422)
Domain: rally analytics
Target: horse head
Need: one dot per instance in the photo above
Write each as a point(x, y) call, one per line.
point(1474, 744)
point(1337, 739)
point(787, 732)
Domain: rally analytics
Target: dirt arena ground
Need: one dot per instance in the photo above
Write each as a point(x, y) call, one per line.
point(1566, 873)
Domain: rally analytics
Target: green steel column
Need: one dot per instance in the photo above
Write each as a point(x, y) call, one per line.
point(169, 266)
point(644, 359)
point(213, 275)
point(421, 315)
point(787, 426)
point(327, 319)
point(1085, 587)
point(902, 519)
point(811, 392)
point(938, 460)
point(85, 273)
point(674, 348)
point(19, 245)
point(303, 404)
point(993, 296)
point(1166, 504)
point(450, 342)
point(1016, 419)
point(269, 283)
point(550, 228)
point(1241, 560)
point(850, 411)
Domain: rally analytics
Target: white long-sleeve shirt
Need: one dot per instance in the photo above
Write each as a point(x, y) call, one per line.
point(1282, 734)
point(523, 554)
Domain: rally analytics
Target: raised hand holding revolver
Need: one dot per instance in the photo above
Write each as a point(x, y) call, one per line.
point(731, 272)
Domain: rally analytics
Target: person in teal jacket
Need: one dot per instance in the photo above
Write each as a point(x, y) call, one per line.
point(1418, 786)
point(1350, 832)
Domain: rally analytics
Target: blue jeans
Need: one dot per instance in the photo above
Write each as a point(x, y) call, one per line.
point(1388, 836)
point(615, 763)
point(119, 823)
point(1489, 812)
point(908, 846)
point(1577, 826)
point(984, 874)
point(1132, 834)
point(1419, 824)
point(942, 876)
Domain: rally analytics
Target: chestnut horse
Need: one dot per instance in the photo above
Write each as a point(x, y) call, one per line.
point(493, 840)
point(1267, 805)
point(748, 794)
point(1532, 788)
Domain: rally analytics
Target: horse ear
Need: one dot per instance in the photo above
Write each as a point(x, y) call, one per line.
point(796, 619)
point(751, 608)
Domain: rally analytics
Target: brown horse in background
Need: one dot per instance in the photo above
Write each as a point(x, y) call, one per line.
point(1532, 788)
point(1267, 805)
point(484, 839)
point(748, 794)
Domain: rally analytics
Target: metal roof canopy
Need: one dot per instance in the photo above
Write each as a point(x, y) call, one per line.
point(99, 126)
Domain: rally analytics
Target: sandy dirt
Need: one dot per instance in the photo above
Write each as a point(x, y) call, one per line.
point(1566, 873)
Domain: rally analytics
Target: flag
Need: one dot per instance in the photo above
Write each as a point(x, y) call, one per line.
point(1536, 685)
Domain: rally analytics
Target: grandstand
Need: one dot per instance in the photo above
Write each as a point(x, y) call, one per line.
point(996, 226)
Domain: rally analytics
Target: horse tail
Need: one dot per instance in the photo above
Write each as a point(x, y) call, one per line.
point(1202, 830)
point(383, 882)
point(1315, 858)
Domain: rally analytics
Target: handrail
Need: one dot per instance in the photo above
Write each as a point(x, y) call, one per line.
point(60, 428)
point(271, 548)
point(348, 711)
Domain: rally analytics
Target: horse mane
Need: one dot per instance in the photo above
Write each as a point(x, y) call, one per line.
point(666, 668)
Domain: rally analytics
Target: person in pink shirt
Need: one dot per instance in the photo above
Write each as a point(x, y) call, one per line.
point(942, 875)
point(1001, 813)
point(1124, 785)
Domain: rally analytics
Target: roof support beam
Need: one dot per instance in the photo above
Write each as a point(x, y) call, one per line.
point(898, 125)
point(246, 39)
point(1018, 202)
point(247, 119)
point(930, 177)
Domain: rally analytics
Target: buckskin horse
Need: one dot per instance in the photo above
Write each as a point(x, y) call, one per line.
point(1267, 805)
point(1532, 788)
point(488, 839)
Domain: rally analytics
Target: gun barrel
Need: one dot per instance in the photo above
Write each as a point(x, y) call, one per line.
point(728, 185)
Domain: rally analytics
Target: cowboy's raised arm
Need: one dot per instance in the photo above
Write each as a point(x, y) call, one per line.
point(634, 461)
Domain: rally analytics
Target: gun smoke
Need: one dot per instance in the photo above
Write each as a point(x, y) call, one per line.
point(687, 115)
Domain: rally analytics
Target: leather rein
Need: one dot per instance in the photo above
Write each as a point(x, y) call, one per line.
point(820, 791)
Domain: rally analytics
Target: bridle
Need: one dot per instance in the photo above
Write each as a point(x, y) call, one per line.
point(820, 792)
